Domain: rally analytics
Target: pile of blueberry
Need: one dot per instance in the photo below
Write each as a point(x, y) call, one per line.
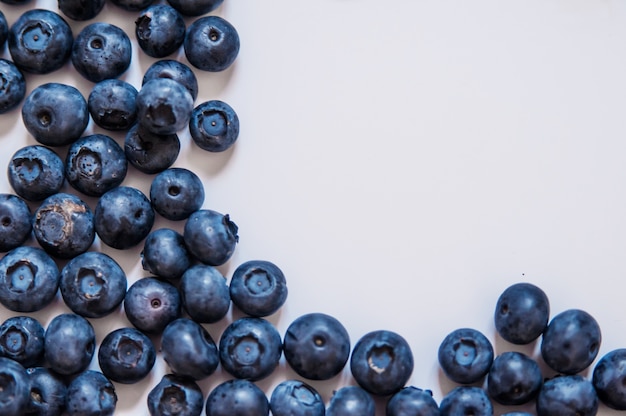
point(44, 371)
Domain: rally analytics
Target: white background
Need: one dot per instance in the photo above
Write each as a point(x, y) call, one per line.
point(403, 162)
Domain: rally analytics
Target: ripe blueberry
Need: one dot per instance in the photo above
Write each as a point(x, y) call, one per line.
point(465, 355)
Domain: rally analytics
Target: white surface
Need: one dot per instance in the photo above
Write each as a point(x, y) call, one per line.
point(403, 162)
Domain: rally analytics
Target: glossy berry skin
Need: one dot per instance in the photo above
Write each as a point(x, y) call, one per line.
point(132, 5)
point(176, 70)
point(91, 393)
point(522, 313)
point(22, 340)
point(95, 164)
point(12, 86)
point(195, 7)
point(101, 51)
point(258, 288)
point(175, 396)
point(214, 126)
point(189, 350)
point(150, 304)
point(466, 400)
point(351, 401)
point(55, 114)
point(211, 44)
point(47, 392)
point(163, 106)
point(15, 222)
point(210, 236)
point(514, 378)
point(567, 395)
point(29, 279)
point(608, 376)
point(14, 387)
point(148, 152)
point(69, 344)
point(123, 217)
point(465, 355)
point(412, 401)
point(111, 104)
point(64, 225)
point(165, 254)
point(36, 172)
point(571, 342)
point(294, 397)
point(80, 10)
point(316, 346)
point(126, 355)
point(160, 30)
point(176, 193)
point(237, 397)
point(204, 293)
point(250, 348)
point(381, 362)
point(40, 41)
point(92, 284)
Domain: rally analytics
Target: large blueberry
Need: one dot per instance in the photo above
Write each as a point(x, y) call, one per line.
point(111, 104)
point(176, 70)
point(412, 401)
point(163, 106)
point(29, 279)
point(176, 193)
point(214, 126)
point(165, 254)
point(160, 30)
point(195, 7)
point(522, 313)
point(126, 355)
point(150, 304)
point(81, 9)
point(64, 225)
point(93, 284)
point(351, 401)
point(567, 395)
point(48, 392)
point(12, 86)
point(250, 348)
point(14, 387)
point(15, 222)
point(175, 396)
point(316, 346)
point(381, 362)
point(237, 397)
point(295, 397)
point(258, 287)
point(211, 43)
point(608, 379)
point(69, 343)
point(55, 114)
point(148, 152)
point(571, 341)
point(36, 172)
point(514, 378)
point(91, 393)
point(465, 355)
point(22, 340)
point(204, 293)
point(101, 50)
point(210, 236)
point(40, 41)
point(466, 400)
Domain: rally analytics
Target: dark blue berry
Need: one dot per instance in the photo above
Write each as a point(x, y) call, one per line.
point(204, 293)
point(4, 30)
point(176, 70)
point(466, 400)
point(210, 236)
point(465, 355)
point(176, 193)
point(36, 172)
point(111, 104)
point(15, 222)
point(12, 86)
point(522, 313)
point(189, 350)
point(91, 393)
point(214, 126)
point(47, 392)
point(148, 152)
point(514, 378)
point(79, 9)
point(70, 342)
point(150, 304)
point(22, 340)
point(211, 43)
point(258, 288)
point(132, 5)
point(195, 7)
point(126, 355)
point(237, 397)
point(351, 401)
point(163, 106)
point(608, 379)
point(567, 395)
point(165, 254)
point(14, 387)
point(160, 30)
point(175, 396)
point(294, 397)
point(412, 401)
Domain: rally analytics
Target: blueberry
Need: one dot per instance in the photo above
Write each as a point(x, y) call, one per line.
point(36, 172)
point(176, 70)
point(465, 355)
point(80, 9)
point(608, 379)
point(55, 114)
point(522, 313)
point(176, 193)
point(91, 393)
point(64, 225)
point(316, 346)
point(571, 341)
point(12, 86)
point(133, 5)
point(204, 293)
point(126, 355)
point(29, 279)
point(163, 106)
point(211, 43)
point(40, 41)
point(258, 288)
point(214, 126)
point(195, 7)
point(567, 395)
point(175, 396)
point(514, 378)
point(294, 397)
point(47, 392)
point(95, 164)
point(250, 348)
point(351, 401)
point(14, 387)
point(123, 217)
point(22, 340)
point(381, 362)
point(111, 104)
point(466, 400)
point(237, 397)
point(15, 2)
point(92, 284)
point(164, 254)
point(15, 222)
point(412, 401)
point(148, 152)
point(69, 344)
point(4, 30)
point(160, 30)
point(188, 349)
point(150, 304)
point(210, 236)
point(101, 51)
